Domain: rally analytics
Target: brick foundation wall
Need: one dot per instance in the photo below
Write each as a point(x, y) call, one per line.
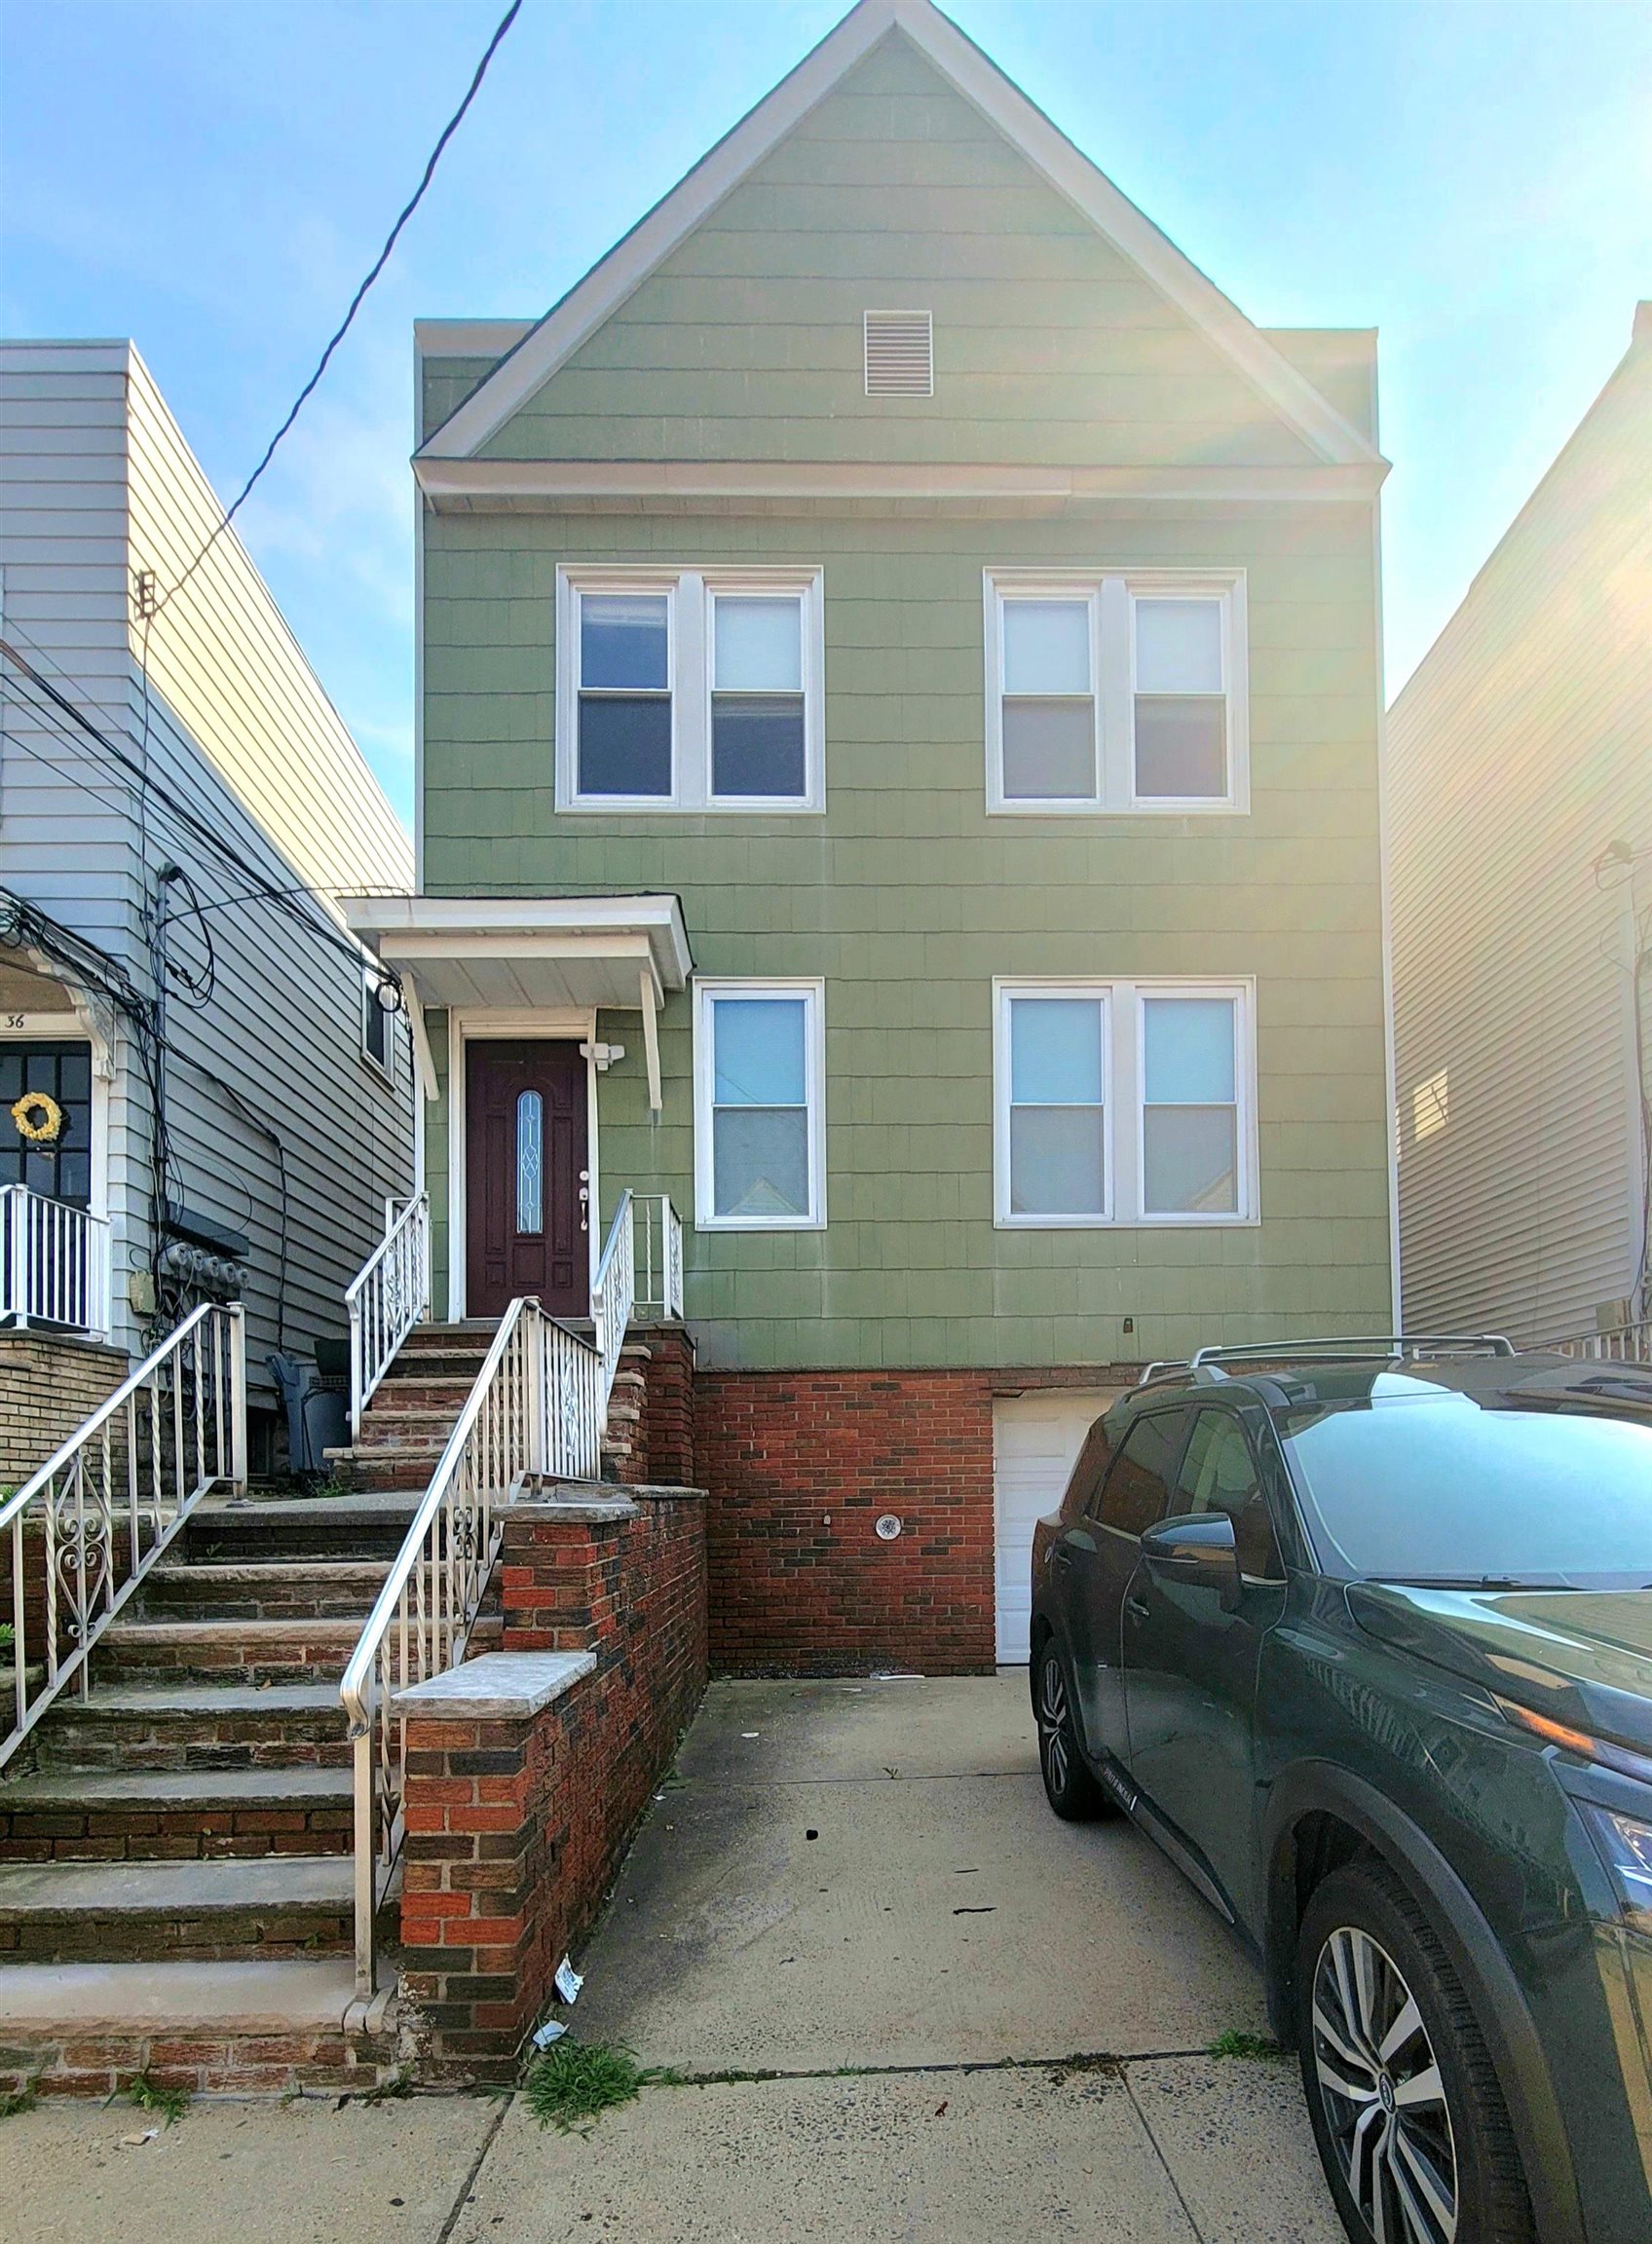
point(799, 1466)
point(515, 1826)
point(47, 1388)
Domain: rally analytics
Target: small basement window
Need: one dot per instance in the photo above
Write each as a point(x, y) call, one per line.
point(900, 353)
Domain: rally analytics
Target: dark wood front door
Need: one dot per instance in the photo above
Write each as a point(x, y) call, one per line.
point(527, 1177)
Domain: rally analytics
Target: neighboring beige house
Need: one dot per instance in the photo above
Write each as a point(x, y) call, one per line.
point(1521, 795)
point(162, 760)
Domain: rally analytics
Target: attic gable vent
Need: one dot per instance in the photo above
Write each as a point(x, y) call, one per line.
point(900, 357)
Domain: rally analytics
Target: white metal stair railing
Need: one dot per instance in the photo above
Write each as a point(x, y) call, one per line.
point(1622, 1344)
point(539, 1407)
point(54, 1262)
point(658, 1235)
point(386, 1297)
point(87, 1527)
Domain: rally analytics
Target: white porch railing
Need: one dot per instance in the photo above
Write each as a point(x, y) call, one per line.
point(386, 1297)
point(1622, 1344)
point(54, 1262)
point(539, 1406)
point(658, 1251)
point(91, 1523)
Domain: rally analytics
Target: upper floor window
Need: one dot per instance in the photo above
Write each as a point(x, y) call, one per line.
point(1116, 692)
point(689, 690)
point(759, 1107)
point(1164, 1070)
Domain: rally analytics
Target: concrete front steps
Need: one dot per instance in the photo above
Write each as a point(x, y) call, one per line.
point(176, 1855)
point(411, 1414)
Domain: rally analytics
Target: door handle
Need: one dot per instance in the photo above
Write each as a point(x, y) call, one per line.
point(1138, 1608)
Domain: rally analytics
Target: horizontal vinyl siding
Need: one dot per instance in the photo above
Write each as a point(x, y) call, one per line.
point(282, 1025)
point(284, 1031)
point(223, 657)
point(908, 899)
point(1519, 753)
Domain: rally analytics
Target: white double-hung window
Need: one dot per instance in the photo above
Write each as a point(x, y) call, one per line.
point(689, 690)
point(1125, 1102)
point(1116, 691)
point(760, 1120)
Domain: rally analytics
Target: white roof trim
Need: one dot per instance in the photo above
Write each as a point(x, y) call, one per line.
point(964, 483)
point(436, 926)
point(586, 307)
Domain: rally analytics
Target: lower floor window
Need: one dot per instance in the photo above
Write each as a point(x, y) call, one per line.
point(1125, 1102)
point(759, 1116)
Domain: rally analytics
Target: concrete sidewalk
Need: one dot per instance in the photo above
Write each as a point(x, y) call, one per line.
point(839, 1875)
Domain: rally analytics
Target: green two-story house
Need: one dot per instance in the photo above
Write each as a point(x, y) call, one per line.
point(899, 772)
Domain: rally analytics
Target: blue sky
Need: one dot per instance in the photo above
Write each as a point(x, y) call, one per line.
point(213, 176)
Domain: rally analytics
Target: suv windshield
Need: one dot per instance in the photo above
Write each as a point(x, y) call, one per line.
point(1413, 1482)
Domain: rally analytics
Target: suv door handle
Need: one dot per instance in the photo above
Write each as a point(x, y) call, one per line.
point(1138, 1608)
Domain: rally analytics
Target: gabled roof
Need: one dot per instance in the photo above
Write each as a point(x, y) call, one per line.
point(960, 63)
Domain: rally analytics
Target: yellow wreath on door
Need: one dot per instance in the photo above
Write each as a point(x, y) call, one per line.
point(39, 1118)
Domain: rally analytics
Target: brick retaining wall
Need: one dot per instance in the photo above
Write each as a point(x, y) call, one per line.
point(516, 1821)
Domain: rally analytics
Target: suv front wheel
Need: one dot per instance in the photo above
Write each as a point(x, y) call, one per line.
point(1406, 2111)
point(1069, 1786)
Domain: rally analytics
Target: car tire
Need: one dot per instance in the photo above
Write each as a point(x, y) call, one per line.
point(1401, 2088)
point(1069, 1786)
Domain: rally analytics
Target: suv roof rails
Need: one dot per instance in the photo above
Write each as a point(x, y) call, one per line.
point(1351, 1348)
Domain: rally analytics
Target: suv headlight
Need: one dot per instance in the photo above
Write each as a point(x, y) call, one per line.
point(1624, 1846)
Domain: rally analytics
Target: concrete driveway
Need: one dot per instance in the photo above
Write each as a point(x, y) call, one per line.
point(973, 2022)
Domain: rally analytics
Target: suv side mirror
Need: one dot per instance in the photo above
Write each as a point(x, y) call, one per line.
point(1197, 1549)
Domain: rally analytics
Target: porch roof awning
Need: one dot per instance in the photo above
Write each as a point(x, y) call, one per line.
point(535, 952)
point(538, 953)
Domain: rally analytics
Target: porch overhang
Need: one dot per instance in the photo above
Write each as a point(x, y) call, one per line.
point(535, 953)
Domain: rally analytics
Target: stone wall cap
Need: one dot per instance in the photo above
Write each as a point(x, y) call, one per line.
point(586, 1500)
point(665, 1493)
point(498, 1685)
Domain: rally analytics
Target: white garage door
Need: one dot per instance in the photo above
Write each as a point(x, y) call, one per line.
point(1036, 1438)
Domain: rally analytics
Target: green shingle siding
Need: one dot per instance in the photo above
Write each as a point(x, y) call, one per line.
point(745, 342)
point(905, 896)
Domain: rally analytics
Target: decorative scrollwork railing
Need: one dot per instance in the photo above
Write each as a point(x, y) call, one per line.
point(539, 1407)
point(86, 1528)
point(386, 1297)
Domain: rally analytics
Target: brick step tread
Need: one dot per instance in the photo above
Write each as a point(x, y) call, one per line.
point(190, 1890)
point(192, 1699)
point(154, 1630)
point(257, 1573)
point(169, 1791)
point(368, 1508)
point(182, 2001)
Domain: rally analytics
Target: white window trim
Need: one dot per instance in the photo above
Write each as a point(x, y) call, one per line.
point(1123, 1086)
point(689, 592)
point(1113, 594)
point(813, 992)
point(1004, 992)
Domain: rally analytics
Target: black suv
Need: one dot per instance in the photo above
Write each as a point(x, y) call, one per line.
point(1361, 1633)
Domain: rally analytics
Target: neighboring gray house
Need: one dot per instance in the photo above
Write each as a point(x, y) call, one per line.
point(1520, 851)
point(199, 1094)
